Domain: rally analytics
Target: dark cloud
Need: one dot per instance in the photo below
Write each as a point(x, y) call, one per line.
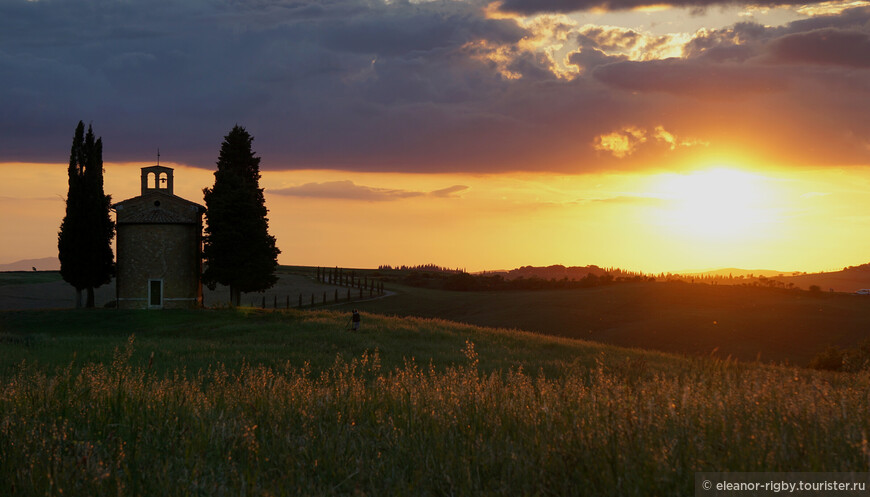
point(829, 46)
point(416, 87)
point(531, 7)
point(691, 79)
point(590, 58)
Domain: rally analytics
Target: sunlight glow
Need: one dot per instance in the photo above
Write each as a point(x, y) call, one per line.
point(717, 216)
point(723, 204)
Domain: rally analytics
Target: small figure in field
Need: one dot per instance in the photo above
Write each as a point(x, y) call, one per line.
point(355, 320)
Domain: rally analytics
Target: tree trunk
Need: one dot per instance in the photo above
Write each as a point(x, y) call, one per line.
point(235, 297)
point(78, 298)
point(90, 302)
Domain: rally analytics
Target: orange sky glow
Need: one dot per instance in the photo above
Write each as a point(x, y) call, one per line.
point(719, 215)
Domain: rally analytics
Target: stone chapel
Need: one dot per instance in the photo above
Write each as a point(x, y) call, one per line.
point(159, 246)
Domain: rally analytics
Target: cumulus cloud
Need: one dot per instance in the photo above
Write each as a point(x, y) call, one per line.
point(621, 143)
point(630, 43)
point(627, 141)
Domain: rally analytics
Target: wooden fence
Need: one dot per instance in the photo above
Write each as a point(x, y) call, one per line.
point(356, 288)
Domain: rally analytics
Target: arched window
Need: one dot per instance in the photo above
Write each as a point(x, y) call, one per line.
point(152, 180)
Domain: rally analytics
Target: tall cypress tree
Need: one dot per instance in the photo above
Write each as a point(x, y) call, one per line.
point(238, 250)
point(84, 242)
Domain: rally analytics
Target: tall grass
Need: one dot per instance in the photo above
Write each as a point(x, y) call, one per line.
point(612, 428)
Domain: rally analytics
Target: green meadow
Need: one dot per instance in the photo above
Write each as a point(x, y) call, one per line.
point(253, 402)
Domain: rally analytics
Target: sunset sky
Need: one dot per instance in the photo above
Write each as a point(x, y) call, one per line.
point(642, 134)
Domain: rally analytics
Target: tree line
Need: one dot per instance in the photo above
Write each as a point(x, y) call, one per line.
point(238, 250)
point(420, 267)
point(495, 282)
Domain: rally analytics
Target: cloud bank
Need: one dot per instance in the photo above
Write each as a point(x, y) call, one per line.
point(348, 190)
point(441, 86)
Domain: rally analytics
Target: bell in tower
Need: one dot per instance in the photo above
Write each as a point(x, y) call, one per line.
point(157, 179)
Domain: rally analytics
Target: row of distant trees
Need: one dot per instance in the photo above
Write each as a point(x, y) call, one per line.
point(238, 250)
point(462, 281)
point(420, 267)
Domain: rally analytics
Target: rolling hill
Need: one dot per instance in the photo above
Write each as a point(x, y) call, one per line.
point(742, 322)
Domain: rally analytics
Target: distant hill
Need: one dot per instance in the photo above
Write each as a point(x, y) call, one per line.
point(43, 264)
point(743, 322)
point(850, 279)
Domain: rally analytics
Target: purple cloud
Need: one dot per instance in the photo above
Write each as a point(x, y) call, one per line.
point(418, 87)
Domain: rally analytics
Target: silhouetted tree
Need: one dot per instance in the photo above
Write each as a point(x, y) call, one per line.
point(238, 250)
point(84, 243)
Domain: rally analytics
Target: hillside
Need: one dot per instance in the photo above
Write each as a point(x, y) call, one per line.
point(42, 264)
point(742, 322)
point(198, 339)
point(850, 279)
point(234, 402)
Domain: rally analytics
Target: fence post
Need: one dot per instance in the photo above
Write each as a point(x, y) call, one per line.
point(264, 302)
point(288, 300)
point(300, 300)
point(275, 304)
point(348, 294)
point(312, 300)
point(336, 294)
point(324, 297)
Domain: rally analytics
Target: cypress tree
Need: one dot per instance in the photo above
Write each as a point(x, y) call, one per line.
point(84, 241)
point(238, 250)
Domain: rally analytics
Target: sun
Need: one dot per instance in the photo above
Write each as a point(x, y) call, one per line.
point(718, 203)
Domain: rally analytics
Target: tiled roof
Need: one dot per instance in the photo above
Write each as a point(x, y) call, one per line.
point(157, 216)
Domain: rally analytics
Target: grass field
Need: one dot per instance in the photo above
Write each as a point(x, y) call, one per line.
point(245, 402)
point(28, 277)
point(746, 323)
